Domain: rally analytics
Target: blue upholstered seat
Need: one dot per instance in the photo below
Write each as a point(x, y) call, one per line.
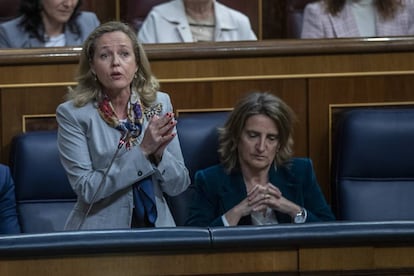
point(198, 136)
point(43, 194)
point(373, 165)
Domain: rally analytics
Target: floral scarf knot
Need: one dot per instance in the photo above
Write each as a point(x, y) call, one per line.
point(132, 125)
point(130, 128)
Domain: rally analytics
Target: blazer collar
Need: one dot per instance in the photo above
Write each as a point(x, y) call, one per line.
point(234, 191)
point(176, 15)
point(71, 38)
point(284, 179)
point(344, 24)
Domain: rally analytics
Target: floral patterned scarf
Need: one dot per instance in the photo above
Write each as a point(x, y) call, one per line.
point(133, 125)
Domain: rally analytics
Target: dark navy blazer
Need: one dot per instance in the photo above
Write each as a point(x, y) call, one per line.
point(216, 192)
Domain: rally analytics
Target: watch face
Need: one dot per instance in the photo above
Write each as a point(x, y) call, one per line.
point(300, 217)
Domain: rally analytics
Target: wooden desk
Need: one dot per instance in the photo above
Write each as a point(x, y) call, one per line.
point(384, 248)
point(310, 75)
point(315, 261)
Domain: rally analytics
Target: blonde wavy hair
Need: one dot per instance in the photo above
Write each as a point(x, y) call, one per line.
point(89, 89)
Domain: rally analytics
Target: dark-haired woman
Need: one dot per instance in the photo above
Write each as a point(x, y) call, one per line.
point(48, 23)
point(258, 181)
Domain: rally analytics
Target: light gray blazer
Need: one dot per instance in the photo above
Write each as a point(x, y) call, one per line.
point(87, 144)
point(317, 23)
point(13, 36)
point(167, 23)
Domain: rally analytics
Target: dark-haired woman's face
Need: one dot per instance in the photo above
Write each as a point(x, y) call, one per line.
point(58, 11)
point(258, 143)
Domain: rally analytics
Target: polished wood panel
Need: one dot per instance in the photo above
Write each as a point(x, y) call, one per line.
point(322, 260)
point(205, 263)
point(20, 101)
point(344, 90)
point(383, 260)
point(331, 259)
point(225, 94)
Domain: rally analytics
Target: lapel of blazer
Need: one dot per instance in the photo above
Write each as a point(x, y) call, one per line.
point(284, 180)
point(185, 32)
point(71, 38)
point(33, 42)
point(223, 21)
point(233, 191)
point(178, 17)
point(344, 24)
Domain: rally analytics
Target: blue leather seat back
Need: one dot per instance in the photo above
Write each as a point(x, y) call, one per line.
point(43, 193)
point(373, 165)
point(198, 136)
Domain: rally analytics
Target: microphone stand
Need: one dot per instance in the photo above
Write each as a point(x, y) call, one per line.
point(122, 141)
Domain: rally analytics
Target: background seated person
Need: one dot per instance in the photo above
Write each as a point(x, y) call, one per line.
point(358, 18)
point(194, 21)
point(48, 23)
point(9, 223)
point(258, 182)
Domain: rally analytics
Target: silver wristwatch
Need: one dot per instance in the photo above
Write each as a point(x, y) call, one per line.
point(300, 216)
